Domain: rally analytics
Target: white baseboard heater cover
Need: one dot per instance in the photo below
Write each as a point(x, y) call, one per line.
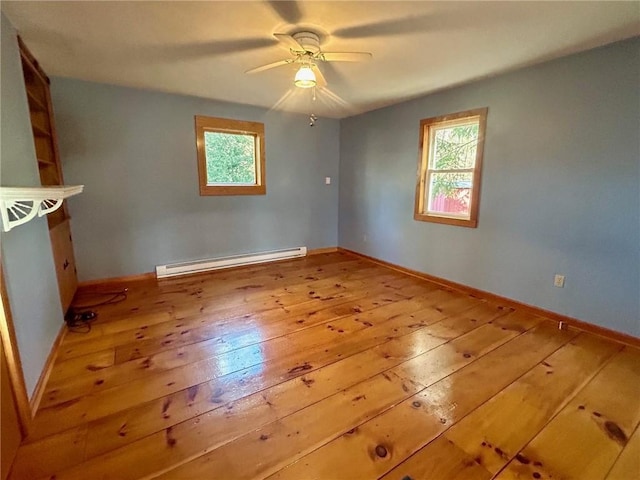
point(184, 268)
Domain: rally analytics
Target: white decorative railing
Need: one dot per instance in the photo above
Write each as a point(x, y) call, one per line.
point(18, 205)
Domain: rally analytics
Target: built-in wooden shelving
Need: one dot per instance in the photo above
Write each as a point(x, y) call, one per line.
point(20, 210)
point(35, 103)
point(42, 161)
point(38, 130)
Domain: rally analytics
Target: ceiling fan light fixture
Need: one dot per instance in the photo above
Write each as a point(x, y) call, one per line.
point(305, 78)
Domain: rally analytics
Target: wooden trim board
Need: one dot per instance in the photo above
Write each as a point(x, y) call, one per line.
point(476, 292)
point(320, 251)
point(12, 355)
point(421, 212)
point(115, 280)
point(38, 392)
point(206, 124)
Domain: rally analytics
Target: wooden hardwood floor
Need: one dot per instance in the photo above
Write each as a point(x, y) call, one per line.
point(330, 367)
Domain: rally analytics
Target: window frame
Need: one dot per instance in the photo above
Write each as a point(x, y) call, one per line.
point(427, 125)
point(240, 127)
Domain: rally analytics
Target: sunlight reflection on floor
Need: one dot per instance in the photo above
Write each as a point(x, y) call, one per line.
point(244, 350)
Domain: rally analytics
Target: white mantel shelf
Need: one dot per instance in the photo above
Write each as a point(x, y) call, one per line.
point(18, 205)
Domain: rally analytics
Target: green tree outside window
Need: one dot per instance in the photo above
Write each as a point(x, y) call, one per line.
point(230, 158)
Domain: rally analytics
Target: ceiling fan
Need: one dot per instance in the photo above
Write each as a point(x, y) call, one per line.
point(305, 50)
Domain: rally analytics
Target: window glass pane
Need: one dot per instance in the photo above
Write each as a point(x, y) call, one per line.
point(454, 147)
point(450, 194)
point(230, 158)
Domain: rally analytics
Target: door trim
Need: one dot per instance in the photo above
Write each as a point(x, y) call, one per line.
point(10, 346)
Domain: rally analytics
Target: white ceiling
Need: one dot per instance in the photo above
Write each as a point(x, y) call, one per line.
point(204, 48)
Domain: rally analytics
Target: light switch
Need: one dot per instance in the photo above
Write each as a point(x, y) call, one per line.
point(327, 180)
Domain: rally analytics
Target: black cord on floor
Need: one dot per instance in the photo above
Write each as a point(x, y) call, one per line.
point(79, 317)
point(116, 297)
point(80, 322)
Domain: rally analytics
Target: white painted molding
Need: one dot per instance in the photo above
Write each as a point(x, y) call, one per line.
point(18, 205)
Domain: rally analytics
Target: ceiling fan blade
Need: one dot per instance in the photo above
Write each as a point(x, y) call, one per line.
point(387, 28)
point(346, 56)
point(334, 74)
point(188, 51)
point(221, 47)
point(279, 63)
point(288, 11)
point(289, 41)
point(320, 80)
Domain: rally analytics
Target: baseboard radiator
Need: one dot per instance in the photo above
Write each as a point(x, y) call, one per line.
point(185, 268)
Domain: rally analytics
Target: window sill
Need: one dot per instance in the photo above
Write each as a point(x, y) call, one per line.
point(206, 190)
point(423, 217)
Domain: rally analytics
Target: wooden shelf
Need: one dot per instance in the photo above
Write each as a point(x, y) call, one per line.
point(35, 103)
point(46, 162)
point(39, 131)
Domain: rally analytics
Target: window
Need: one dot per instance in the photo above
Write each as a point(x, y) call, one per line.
point(230, 156)
point(450, 163)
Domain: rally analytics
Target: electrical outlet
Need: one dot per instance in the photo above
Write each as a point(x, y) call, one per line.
point(558, 281)
point(327, 180)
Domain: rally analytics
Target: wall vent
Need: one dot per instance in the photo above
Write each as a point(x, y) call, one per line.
point(185, 268)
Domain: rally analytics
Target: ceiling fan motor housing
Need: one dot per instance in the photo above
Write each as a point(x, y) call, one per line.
point(308, 40)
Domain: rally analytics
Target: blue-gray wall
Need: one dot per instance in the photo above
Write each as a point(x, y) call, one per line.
point(27, 258)
point(135, 152)
point(560, 187)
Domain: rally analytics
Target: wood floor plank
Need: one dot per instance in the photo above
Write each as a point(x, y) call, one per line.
point(403, 430)
point(235, 335)
point(225, 422)
point(441, 365)
point(253, 303)
point(147, 419)
point(235, 306)
point(446, 461)
point(599, 419)
point(496, 431)
point(311, 436)
point(627, 465)
point(387, 321)
point(284, 270)
point(493, 433)
point(348, 292)
point(141, 336)
point(92, 362)
point(328, 367)
point(105, 435)
point(209, 297)
point(170, 351)
point(300, 432)
point(211, 293)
